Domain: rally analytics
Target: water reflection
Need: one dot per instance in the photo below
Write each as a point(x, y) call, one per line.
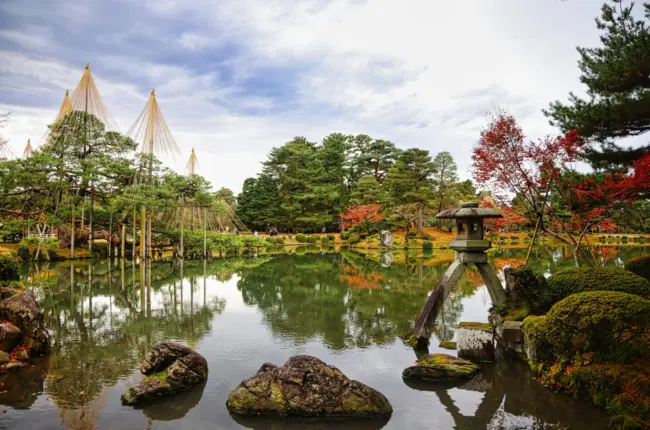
point(347, 308)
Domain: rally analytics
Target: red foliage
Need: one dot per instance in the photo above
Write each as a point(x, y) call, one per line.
point(513, 167)
point(511, 218)
point(357, 279)
point(361, 214)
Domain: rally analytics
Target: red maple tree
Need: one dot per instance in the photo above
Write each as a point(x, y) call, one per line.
point(515, 168)
point(361, 214)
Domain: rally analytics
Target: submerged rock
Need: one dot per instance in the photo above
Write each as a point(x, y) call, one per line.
point(170, 368)
point(441, 367)
point(305, 386)
point(23, 311)
point(9, 336)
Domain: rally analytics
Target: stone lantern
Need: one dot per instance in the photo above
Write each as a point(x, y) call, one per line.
point(470, 247)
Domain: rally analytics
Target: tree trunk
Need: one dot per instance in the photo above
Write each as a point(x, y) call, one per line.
point(72, 234)
point(149, 253)
point(123, 241)
point(532, 242)
point(205, 235)
point(555, 235)
point(90, 220)
point(133, 239)
point(83, 215)
point(420, 219)
point(182, 250)
point(110, 234)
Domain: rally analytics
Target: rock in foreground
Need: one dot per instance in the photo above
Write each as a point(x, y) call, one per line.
point(23, 311)
point(305, 386)
point(441, 367)
point(169, 368)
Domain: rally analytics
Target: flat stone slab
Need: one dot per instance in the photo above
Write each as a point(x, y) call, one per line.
point(305, 386)
point(441, 367)
point(475, 341)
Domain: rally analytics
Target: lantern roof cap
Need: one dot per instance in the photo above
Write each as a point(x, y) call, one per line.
point(469, 210)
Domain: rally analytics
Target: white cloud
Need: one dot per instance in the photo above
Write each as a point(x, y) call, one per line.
point(417, 72)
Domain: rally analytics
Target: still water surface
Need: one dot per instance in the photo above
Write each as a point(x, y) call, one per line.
point(345, 308)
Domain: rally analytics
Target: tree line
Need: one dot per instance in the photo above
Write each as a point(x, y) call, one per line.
point(307, 186)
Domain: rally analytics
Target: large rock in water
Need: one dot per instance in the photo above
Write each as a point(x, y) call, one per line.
point(387, 238)
point(170, 368)
point(23, 311)
point(305, 386)
point(441, 367)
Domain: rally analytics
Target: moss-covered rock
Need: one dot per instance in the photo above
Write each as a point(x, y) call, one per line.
point(573, 281)
point(527, 293)
point(169, 368)
point(305, 386)
point(640, 266)
point(601, 325)
point(536, 346)
point(441, 367)
point(23, 311)
point(448, 345)
point(9, 270)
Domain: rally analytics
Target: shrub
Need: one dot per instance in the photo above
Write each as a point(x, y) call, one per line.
point(9, 270)
point(624, 239)
point(324, 239)
point(279, 241)
point(640, 266)
point(271, 240)
point(301, 250)
point(574, 281)
point(426, 236)
point(345, 235)
point(331, 237)
point(301, 238)
point(363, 235)
point(53, 256)
point(530, 234)
point(527, 293)
point(23, 253)
point(412, 235)
point(354, 239)
point(312, 239)
point(427, 245)
point(608, 324)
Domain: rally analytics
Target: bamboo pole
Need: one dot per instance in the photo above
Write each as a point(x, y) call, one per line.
point(123, 241)
point(72, 233)
point(143, 234)
point(133, 239)
point(182, 253)
point(205, 235)
point(149, 249)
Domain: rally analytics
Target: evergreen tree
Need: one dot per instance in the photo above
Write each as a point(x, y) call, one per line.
point(409, 181)
point(444, 179)
point(366, 191)
point(372, 157)
point(618, 79)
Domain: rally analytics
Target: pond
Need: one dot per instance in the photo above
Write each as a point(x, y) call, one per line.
point(345, 308)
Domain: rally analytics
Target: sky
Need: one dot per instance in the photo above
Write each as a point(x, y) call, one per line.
point(235, 78)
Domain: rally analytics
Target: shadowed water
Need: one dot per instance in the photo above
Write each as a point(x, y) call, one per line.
point(345, 308)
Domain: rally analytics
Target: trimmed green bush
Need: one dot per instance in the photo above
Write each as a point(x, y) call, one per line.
point(312, 239)
point(271, 240)
point(301, 238)
point(528, 293)
point(608, 324)
point(640, 266)
point(354, 239)
point(331, 237)
point(279, 241)
point(427, 245)
point(23, 253)
point(345, 235)
point(574, 281)
point(9, 270)
point(324, 239)
point(412, 235)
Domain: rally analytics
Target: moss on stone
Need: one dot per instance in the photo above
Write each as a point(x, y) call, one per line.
point(447, 345)
point(639, 266)
point(160, 376)
point(573, 281)
point(355, 405)
point(476, 326)
point(441, 367)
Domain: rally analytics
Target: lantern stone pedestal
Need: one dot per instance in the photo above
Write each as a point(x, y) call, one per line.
point(470, 247)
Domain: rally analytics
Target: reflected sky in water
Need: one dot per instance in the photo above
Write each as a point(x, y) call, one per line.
point(348, 309)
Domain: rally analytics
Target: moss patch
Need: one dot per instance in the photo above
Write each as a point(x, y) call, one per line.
point(448, 345)
point(160, 376)
point(640, 266)
point(476, 326)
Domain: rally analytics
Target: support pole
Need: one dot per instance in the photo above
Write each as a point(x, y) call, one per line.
point(149, 249)
point(143, 234)
point(90, 220)
point(205, 234)
point(123, 241)
point(72, 233)
point(110, 234)
point(182, 250)
point(497, 294)
point(133, 239)
point(448, 280)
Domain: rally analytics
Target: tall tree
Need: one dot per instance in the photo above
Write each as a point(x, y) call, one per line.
point(409, 181)
point(372, 157)
point(258, 204)
point(366, 191)
point(444, 179)
point(617, 76)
